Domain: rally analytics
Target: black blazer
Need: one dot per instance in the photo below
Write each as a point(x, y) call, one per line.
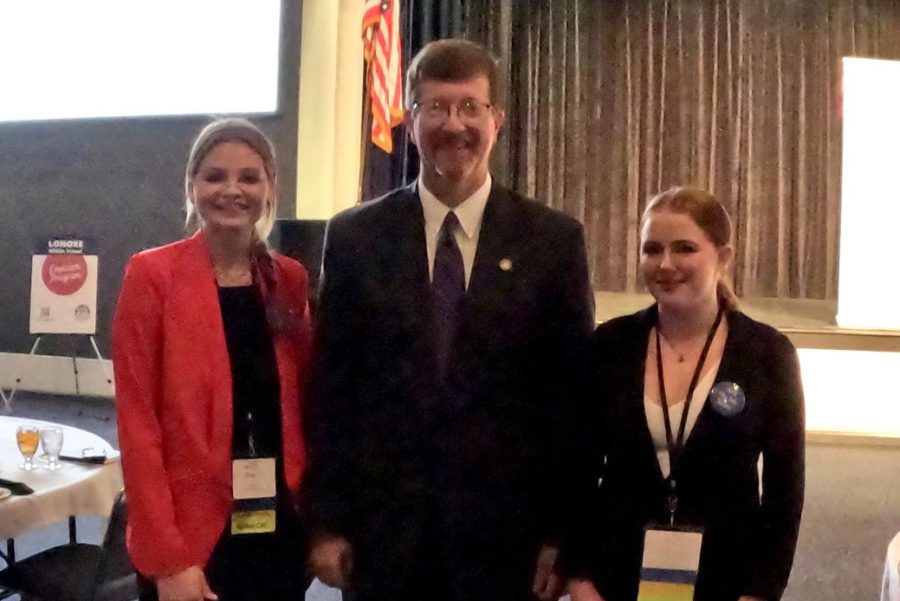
point(482, 459)
point(749, 539)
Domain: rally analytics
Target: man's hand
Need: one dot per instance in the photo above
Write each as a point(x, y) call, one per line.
point(331, 561)
point(547, 585)
point(187, 585)
point(583, 590)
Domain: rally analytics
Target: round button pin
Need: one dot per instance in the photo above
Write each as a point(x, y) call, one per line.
point(727, 398)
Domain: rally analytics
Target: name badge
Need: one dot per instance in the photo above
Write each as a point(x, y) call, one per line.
point(260, 521)
point(253, 489)
point(670, 563)
point(253, 478)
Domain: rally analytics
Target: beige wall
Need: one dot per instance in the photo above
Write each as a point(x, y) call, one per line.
point(330, 107)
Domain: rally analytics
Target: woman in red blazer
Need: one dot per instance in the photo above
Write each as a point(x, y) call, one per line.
point(210, 346)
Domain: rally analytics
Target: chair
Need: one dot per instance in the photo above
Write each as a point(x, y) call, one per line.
point(79, 571)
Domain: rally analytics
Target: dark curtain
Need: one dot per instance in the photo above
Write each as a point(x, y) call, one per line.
point(611, 101)
point(616, 100)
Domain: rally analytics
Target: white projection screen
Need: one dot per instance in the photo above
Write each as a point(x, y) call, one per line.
point(74, 59)
point(868, 284)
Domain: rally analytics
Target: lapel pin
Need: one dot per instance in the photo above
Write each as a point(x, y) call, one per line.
point(727, 398)
point(506, 264)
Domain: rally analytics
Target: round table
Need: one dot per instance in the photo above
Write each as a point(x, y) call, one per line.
point(74, 489)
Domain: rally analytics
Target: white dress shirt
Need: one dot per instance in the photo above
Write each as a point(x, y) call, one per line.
point(469, 212)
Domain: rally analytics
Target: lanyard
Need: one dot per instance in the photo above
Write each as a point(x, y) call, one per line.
point(674, 446)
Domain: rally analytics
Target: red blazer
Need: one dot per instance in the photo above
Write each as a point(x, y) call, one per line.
point(174, 399)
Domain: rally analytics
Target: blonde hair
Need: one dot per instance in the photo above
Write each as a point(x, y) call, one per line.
point(233, 129)
point(710, 215)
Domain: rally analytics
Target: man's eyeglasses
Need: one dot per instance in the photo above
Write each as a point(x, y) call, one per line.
point(438, 111)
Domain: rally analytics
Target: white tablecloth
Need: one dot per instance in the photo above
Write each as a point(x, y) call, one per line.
point(890, 589)
point(75, 489)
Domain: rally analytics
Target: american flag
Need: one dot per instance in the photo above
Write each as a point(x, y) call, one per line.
point(381, 40)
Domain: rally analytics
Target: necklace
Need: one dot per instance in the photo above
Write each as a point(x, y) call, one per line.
point(680, 355)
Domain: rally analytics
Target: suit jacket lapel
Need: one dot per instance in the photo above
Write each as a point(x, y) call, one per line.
point(728, 368)
point(407, 281)
point(498, 231)
point(197, 293)
point(412, 264)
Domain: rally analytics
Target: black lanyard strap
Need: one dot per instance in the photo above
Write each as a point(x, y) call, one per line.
point(674, 446)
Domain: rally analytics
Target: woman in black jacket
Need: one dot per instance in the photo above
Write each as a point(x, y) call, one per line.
point(646, 462)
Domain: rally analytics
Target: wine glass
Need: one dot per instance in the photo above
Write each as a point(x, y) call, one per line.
point(28, 438)
point(52, 441)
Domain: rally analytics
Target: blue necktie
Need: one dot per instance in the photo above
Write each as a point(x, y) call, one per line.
point(448, 284)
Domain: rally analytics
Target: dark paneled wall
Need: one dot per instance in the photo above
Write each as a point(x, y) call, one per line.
point(118, 182)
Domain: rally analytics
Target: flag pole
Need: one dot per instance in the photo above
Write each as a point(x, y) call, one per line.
point(366, 129)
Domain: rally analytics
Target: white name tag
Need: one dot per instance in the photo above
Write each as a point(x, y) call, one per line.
point(253, 478)
point(670, 563)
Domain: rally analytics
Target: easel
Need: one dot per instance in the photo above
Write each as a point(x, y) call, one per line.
point(8, 398)
point(59, 270)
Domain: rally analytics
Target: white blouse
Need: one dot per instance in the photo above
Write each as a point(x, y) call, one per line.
point(656, 422)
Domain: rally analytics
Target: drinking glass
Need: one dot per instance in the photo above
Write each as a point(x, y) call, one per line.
point(52, 441)
point(28, 438)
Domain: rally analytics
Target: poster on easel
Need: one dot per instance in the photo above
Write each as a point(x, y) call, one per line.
point(63, 288)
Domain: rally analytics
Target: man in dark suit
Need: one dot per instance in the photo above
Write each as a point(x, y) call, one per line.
point(452, 315)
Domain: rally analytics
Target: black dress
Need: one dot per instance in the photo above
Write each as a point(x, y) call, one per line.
point(250, 567)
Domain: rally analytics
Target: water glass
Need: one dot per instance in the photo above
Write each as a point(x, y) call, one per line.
point(52, 441)
point(28, 438)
